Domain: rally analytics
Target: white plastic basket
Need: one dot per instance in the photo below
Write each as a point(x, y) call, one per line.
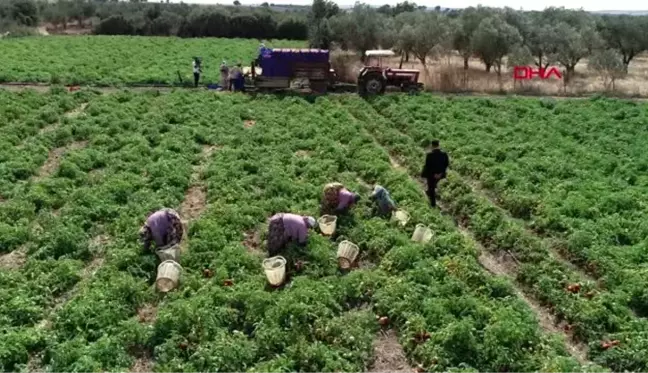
point(422, 234)
point(401, 216)
point(327, 224)
point(347, 254)
point(168, 275)
point(275, 270)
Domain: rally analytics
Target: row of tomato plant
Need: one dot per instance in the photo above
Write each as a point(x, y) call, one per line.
point(595, 314)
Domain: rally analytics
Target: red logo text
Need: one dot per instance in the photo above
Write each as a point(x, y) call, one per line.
point(528, 73)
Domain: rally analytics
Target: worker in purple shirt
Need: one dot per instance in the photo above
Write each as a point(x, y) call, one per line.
point(337, 199)
point(284, 228)
point(163, 228)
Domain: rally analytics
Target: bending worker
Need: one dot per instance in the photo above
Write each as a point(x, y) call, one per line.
point(337, 199)
point(284, 228)
point(436, 164)
point(384, 201)
point(163, 228)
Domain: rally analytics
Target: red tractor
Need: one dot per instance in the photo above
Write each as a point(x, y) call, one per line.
point(374, 78)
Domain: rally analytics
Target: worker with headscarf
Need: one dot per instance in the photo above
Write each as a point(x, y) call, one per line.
point(224, 78)
point(284, 228)
point(383, 200)
point(337, 199)
point(162, 229)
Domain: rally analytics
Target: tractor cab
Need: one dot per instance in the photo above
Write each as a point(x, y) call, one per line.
point(375, 58)
point(374, 77)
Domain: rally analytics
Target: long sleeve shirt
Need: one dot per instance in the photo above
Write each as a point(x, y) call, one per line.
point(346, 198)
point(436, 162)
point(159, 224)
point(383, 199)
point(295, 228)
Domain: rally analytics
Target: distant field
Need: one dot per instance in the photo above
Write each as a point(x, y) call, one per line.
point(113, 60)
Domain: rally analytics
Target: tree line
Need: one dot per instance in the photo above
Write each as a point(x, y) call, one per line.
point(111, 17)
point(498, 37)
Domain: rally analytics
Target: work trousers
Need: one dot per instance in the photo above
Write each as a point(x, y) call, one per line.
point(431, 190)
point(196, 79)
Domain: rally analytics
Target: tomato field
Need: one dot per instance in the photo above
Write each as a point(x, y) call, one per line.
point(556, 185)
point(121, 60)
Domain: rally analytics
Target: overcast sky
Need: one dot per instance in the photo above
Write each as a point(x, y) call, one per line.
point(592, 5)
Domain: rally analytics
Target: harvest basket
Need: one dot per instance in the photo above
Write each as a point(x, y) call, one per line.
point(401, 216)
point(327, 224)
point(168, 275)
point(275, 270)
point(422, 234)
point(169, 253)
point(347, 254)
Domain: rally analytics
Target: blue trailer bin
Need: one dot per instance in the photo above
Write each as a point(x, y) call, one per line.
point(283, 62)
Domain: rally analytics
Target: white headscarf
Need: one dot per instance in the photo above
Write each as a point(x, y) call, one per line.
point(311, 222)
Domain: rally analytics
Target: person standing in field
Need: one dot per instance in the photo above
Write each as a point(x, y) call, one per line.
point(162, 229)
point(197, 70)
point(383, 199)
point(337, 199)
point(224, 71)
point(284, 228)
point(436, 164)
point(237, 81)
point(233, 74)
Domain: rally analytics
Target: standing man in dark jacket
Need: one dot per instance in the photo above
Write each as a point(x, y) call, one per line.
point(436, 164)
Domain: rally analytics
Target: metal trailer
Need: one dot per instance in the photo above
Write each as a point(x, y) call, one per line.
point(277, 69)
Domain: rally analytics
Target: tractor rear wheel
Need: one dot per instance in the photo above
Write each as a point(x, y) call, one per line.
point(373, 85)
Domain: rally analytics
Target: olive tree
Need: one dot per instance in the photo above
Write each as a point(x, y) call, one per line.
point(432, 32)
point(542, 43)
point(626, 34)
point(572, 44)
point(361, 28)
point(464, 29)
point(319, 32)
point(520, 55)
point(404, 24)
point(406, 41)
point(609, 64)
point(493, 40)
